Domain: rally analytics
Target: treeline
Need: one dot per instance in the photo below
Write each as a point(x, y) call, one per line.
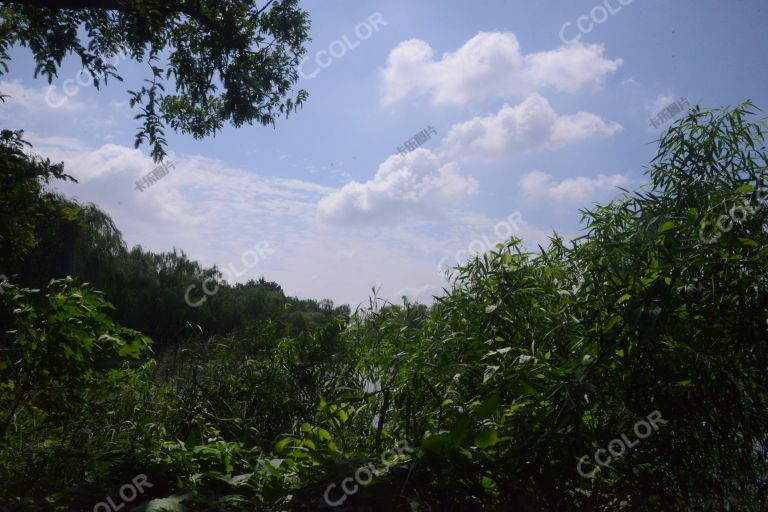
point(44, 236)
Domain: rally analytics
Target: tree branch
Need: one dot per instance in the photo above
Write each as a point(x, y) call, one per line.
point(263, 8)
point(115, 5)
point(112, 5)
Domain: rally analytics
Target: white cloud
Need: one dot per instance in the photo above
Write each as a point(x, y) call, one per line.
point(659, 103)
point(532, 125)
point(198, 192)
point(490, 65)
point(66, 143)
point(580, 190)
point(630, 82)
point(215, 213)
point(413, 186)
point(37, 100)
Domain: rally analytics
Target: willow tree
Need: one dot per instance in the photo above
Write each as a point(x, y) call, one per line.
point(228, 61)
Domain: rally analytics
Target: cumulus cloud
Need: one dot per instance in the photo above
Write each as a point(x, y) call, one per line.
point(580, 190)
point(532, 125)
point(490, 65)
point(413, 186)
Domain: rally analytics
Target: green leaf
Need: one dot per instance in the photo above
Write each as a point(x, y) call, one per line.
point(440, 444)
point(237, 480)
point(497, 352)
point(749, 242)
point(169, 504)
point(485, 409)
point(283, 443)
point(670, 224)
point(490, 371)
point(486, 438)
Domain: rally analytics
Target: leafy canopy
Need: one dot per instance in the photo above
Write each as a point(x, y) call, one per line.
point(230, 60)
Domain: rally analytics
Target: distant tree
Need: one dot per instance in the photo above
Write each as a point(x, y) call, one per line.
point(24, 202)
point(230, 60)
point(326, 305)
point(269, 285)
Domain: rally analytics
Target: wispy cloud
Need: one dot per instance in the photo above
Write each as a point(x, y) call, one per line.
point(570, 191)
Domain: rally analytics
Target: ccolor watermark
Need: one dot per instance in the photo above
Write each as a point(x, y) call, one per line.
point(619, 446)
point(736, 215)
point(483, 245)
point(339, 48)
point(254, 256)
point(364, 475)
point(597, 16)
point(71, 86)
point(128, 493)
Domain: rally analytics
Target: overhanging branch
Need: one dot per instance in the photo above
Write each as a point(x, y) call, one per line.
point(116, 5)
point(112, 5)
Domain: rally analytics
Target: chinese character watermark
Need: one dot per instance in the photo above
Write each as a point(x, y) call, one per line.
point(670, 112)
point(154, 176)
point(417, 140)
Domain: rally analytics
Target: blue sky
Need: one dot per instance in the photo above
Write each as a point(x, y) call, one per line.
point(531, 126)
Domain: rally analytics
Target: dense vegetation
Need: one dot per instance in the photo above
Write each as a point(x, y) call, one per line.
point(509, 393)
